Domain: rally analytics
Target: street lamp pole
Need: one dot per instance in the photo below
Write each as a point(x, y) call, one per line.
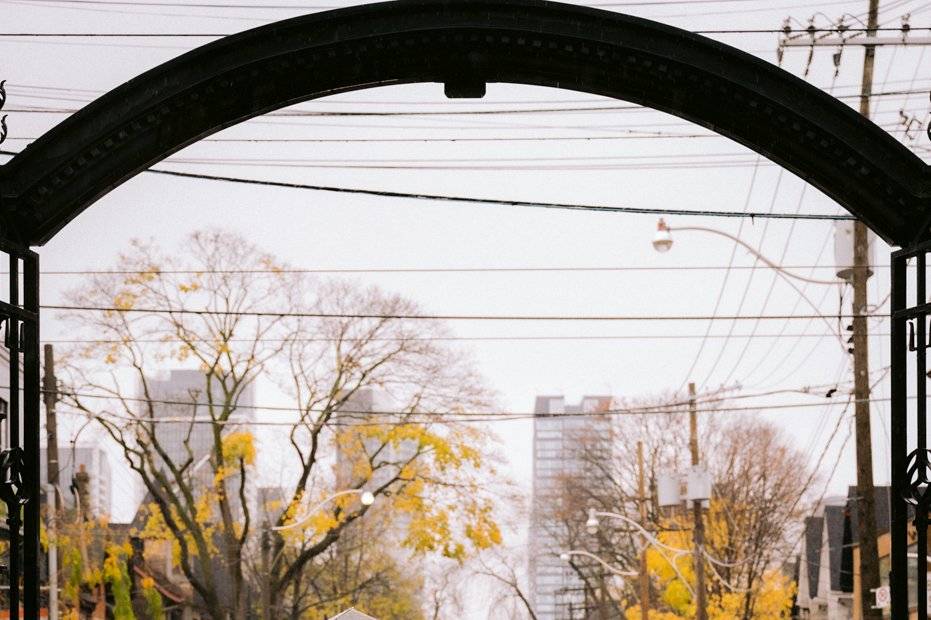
point(860, 272)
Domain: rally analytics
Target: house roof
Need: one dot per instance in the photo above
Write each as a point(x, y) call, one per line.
point(352, 614)
point(882, 508)
point(161, 584)
point(834, 526)
point(814, 529)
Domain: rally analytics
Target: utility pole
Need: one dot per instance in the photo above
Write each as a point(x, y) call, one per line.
point(51, 497)
point(644, 575)
point(701, 613)
point(50, 396)
point(866, 497)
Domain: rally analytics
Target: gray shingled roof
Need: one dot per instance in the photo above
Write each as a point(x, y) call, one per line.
point(882, 511)
point(834, 524)
point(352, 614)
point(814, 527)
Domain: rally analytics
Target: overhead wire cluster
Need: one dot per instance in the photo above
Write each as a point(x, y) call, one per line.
point(816, 27)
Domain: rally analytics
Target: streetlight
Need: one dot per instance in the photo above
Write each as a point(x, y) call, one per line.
point(365, 497)
point(662, 243)
point(593, 523)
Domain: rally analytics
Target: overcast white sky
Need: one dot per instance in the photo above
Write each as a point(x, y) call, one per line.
point(319, 230)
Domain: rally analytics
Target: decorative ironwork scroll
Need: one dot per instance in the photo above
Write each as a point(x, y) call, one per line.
point(2, 118)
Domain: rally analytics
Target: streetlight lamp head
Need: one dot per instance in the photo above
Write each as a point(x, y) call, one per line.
point(564, 557)
point(592, 524)
point(367, 498)
point(662, 241)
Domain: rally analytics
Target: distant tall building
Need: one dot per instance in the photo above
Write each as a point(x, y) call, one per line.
point(556, 590)
point(359, 409)
point(183, 397)
point(97, 465)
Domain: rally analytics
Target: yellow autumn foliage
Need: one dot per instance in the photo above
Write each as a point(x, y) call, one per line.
point(239, 446)
point(437, 520)
point(675, 575)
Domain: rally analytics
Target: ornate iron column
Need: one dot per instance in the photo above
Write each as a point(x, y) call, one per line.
point(19, 458)
point(911, 470)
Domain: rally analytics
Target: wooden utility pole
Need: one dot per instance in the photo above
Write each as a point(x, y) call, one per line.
point(644, 575)
point(50, 397)
point(701, 612)
point(866, 496)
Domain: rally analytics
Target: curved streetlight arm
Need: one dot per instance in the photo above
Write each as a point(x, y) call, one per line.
point(655, 542)
point(753, 251)
point(725, 583)
point(643, 532)
point(675, 568)
point(786, 275)
point(310, 513)
point(592, 556)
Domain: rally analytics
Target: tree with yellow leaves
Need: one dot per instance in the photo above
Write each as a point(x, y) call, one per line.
point(759, 498)
point(235, 314)
point(672, 572)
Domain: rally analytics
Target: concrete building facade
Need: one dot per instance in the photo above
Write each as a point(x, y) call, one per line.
point(96, 463)
point(556, 591)
point(182, 397)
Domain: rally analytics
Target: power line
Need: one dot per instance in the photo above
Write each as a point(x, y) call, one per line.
point(577, 109)
point(432, 317)
point(494, 201)
point(454, 102)
point(634, 135)
point(142, 35)
point(751, 277)
point(467, 338)
point(422, 270)
point(490, 201)
point(300, 7)
point(724, 281)
point(477, 416)
point(476, 112)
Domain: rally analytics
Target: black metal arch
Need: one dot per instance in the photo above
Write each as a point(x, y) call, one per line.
point(465, 44)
